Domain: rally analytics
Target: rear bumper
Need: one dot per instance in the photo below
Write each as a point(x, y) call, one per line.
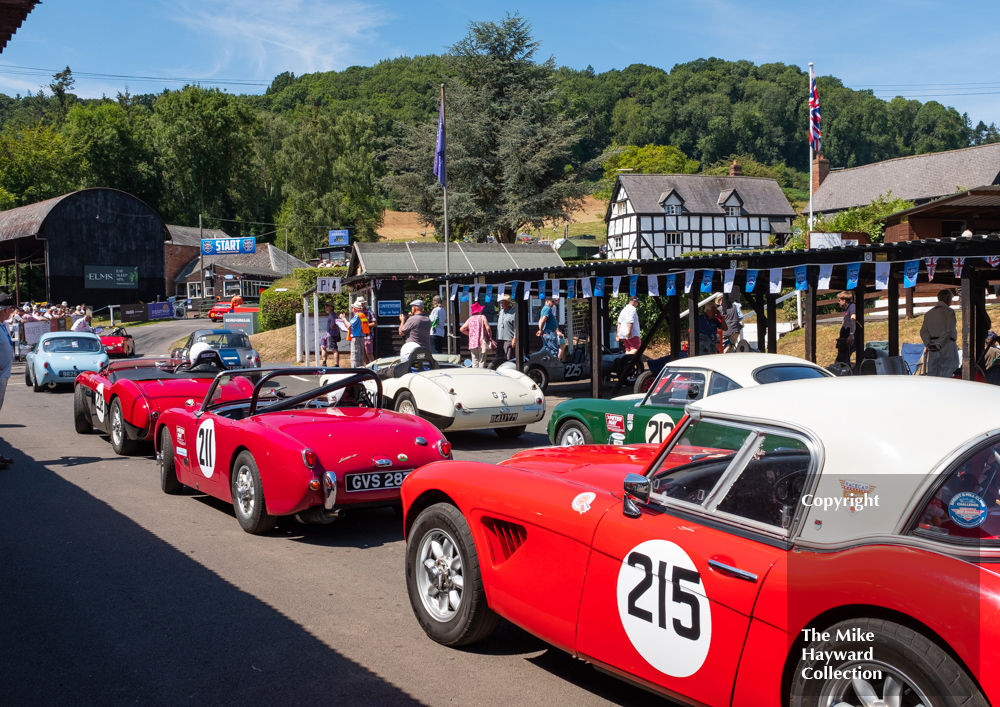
point(491, 418)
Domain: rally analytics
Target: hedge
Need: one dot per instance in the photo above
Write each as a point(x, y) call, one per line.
point(278, 309)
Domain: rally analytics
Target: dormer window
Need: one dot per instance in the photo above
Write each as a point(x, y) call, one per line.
point(672, 210)
point(733, 210)
point(620, 208)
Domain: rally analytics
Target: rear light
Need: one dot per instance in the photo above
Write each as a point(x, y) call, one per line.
point(458, 406)
point(309, 458)
point(444, 448)
point(538, 401)
point(534, 386)
point(47, 364)
point(451, 391)
point(314, 485)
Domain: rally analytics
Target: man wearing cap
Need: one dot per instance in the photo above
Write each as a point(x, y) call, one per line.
point(369, 320)
point(506, 329)
point(547, 326)
point(356, 335)
point(6, 357)
point(415, 329)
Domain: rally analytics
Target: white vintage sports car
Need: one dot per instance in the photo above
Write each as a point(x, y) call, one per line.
point(454, 397)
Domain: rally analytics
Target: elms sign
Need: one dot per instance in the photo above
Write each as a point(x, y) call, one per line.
point(111, 277)
point(228, 246)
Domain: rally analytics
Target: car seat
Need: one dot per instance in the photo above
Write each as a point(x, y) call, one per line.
point(421, 359)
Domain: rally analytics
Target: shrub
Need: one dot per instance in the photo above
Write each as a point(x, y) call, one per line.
point(277, 309)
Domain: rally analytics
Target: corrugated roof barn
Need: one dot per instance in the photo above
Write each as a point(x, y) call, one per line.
point(427, 259)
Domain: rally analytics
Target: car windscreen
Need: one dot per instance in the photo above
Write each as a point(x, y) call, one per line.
point(779, 374)
point(225, 341)
point(291, 390)
point(71, 344)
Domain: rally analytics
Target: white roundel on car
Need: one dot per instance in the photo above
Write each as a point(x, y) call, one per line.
point(658, 427)
point(663, 607)
point(99, 406)
point(205, 447)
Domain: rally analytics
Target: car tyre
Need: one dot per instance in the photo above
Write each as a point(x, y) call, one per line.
point(510, 432)
point(443, 579)
point(81, 416)
point(120, 441)
point(644, 382)
point(248, 496)
point(34, 385)
point(917, 665)
point(168, 470)
point(406, 404)
point(540, 376)
point(573, 433)
point(27, 374)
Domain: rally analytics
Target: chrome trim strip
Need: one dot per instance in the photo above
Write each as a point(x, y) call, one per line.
point(733, 571)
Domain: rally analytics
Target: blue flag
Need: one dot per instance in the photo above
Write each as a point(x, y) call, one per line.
point(706, 281)
point(513, 290)
point(541, 289)
point(465, 293)
point(439, 163)
point(800, 277)
point(671, 285)
point(570, 289)
point(910, 271)
point(632, 280)
point(489, 293)
point(598, 287)
point(751, 280)
point(853, 271)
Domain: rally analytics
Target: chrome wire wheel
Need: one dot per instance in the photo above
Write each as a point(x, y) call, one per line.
point(245, 491)
point(891, 689)
point(440, 578)
point(407, 408)
point(571, 437)
point(117, 426)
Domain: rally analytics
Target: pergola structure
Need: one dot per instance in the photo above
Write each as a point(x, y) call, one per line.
point(976, 272)
point(12, 14)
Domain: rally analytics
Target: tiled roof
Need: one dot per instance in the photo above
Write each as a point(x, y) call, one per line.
point(397, 259)
point(268, 261)
point(191, 235)
point(916, 178)
point(701, 193)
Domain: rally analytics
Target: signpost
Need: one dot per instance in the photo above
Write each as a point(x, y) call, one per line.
point(133, 313)
point(228, 246)
point(339, 237)
point(328, 285)
point(243, 321)
point(111, 277)
point(390, 308)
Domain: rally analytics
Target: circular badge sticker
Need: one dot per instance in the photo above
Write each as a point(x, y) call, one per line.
point(581, 504)
point(658, 428)
point(663, 608)
point(99, 404)
point(967, 510)
point(205, 447)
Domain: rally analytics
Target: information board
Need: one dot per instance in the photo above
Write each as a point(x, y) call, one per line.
point(133, 313)
point(328, 285)
point(111, 277)
point(339, 237)
point(160, 310)
point(244, 321)
point(389, 308)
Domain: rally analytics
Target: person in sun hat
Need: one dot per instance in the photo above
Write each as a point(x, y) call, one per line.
point(477, 328)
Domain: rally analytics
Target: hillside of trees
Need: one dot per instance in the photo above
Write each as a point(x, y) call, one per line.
point(335, 149)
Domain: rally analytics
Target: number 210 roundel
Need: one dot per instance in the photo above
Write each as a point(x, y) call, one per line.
point(663, 608)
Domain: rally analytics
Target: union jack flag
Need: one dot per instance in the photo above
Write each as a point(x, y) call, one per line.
point(815, 134)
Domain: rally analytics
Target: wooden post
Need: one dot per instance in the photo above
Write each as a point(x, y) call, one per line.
point(520, 333)
point(596, 320)
point(17, 277)
point(757, 303)
point(772, 323)
point(456, 306)
point(859, 331)
point(693, 319)
point(809, 315)
point(909, 303)
point(968, 328)
point(674, 306)
point(894, 315)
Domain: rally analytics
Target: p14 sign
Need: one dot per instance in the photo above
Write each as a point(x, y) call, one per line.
point(228, 246)
point(328, 285)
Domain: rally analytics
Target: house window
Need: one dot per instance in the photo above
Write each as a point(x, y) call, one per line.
point(672, 210)
point(672, 239)
point(620, 208)
point(618, 241)
point(734, 240)
point(733, 211)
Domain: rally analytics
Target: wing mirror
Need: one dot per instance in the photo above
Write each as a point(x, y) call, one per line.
point(189, 404)
point(694, 391)
point(637, 488)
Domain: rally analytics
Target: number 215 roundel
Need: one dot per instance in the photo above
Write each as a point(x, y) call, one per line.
point(663, 608)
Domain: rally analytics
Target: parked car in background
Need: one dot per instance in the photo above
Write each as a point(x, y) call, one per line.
point(223, 307)
point(544, 367)
point(649, 417)
point(768, 554)
point(233, 346)
point(296, 441)
point(60, 356)
point(118, 342)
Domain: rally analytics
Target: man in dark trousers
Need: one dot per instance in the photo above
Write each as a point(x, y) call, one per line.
point(506, 329)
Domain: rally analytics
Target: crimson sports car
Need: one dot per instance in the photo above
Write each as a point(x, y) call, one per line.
point(118, 343)
point(770, 552)
point(304, 441)
point(124, 398)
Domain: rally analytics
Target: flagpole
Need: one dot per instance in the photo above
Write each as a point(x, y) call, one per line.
point(810, 151)
point(447, 259)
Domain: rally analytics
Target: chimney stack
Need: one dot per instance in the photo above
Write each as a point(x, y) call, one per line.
point(735, 169)
point(821, 168)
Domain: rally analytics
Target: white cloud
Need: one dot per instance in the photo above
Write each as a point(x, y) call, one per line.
point(265, 38)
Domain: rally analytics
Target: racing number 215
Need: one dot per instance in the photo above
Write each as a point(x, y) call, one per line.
point(679, 595)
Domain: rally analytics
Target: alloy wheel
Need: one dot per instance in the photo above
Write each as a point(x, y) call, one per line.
point(245, 490)
point(892, 689)
point(440, 580)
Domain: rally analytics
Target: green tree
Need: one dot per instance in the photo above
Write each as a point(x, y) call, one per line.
point(860, 219)
point(509, 148)
point(62, 84)
point(651, 159)
point(38, 163)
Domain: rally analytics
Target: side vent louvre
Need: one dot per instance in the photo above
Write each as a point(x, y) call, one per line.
point(505, 538)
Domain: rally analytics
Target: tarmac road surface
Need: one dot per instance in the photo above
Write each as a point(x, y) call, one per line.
point(112, 592)
point(155, 339)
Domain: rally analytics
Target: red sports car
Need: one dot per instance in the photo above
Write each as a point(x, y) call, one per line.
point(124, 399)
point(302, 441)
point(223, 307)
point(768, 553)
point(118, 343)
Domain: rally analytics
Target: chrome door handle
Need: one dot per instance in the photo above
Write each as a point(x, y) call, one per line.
point(733, 571)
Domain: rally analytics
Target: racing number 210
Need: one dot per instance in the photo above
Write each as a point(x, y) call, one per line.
point(679, 595)
point(206, 452)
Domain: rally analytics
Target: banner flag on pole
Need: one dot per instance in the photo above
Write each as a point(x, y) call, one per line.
point(570, 289)
point(882, 276)
point(815, 133)
point(993, 260)
point(513, 290)
point(616, 282)
point(825, 274)
point(585, 287)
point(652, 286)
point(454, 292)
point(801, 282)
point(931, 264)
point(599, 286)
point(439, 163)
point(853, 273)
point(489, 293)
point(688, 280)
point(751, 280)
point(671, 285)
point(910, 271)
point(555, 289)
point(465, 293)
point(957, 264)
point(632, 282)
point(527, 289)
point(706, 281)
point(541, 290)
point(775, 284)
point(475, 293)
point(727, 280)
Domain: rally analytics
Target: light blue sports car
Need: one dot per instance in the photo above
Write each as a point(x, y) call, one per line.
point(60, 356)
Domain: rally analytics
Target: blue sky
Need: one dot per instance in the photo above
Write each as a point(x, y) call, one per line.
point(925, 49)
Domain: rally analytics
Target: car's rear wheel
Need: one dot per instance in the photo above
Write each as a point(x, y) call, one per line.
point(644, 382)
point(34, 385)
point(168, 471)
point(81, 416)
point(27, 374)
point(406, 404)
point(906, 669)
point(539, 375)
point(248, 496)
point(573, 433)
point(510, 432)
point(443, 578)
point(120, 441)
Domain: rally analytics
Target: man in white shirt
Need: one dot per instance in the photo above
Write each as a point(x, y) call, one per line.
point(82, 324)
point(628, 333)
point(939, 334)
point(438, 316)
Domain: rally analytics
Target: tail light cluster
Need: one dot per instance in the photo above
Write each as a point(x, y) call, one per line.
point(309, 458)
point(538, 401)
point(444, 448)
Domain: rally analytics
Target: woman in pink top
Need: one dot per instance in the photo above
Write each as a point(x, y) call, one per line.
point(480, 338)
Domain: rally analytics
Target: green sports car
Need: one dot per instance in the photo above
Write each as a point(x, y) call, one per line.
point(649, 417)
